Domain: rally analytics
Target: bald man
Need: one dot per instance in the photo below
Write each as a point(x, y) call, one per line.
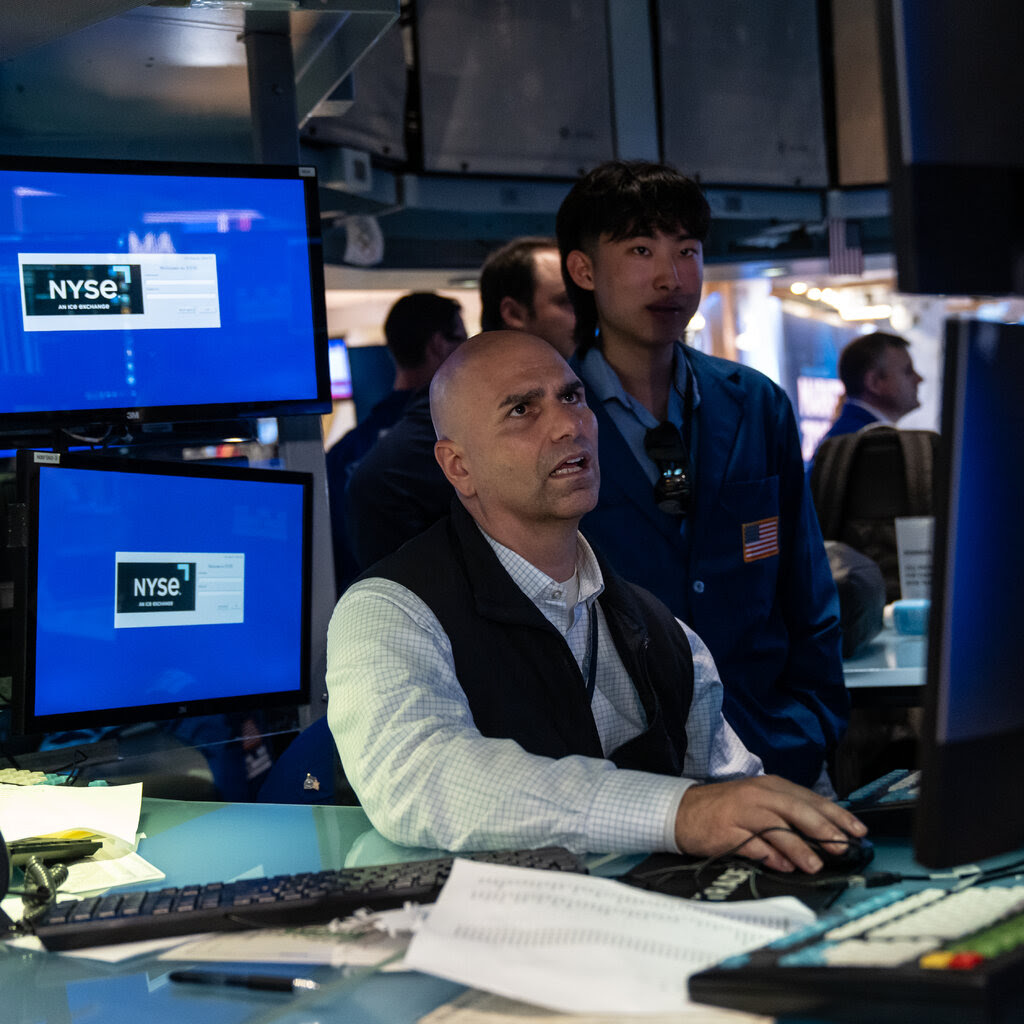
point(494, 684)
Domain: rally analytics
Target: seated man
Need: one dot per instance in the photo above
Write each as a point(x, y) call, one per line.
point(493, 684)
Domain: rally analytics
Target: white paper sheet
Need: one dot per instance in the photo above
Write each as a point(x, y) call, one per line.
point(297, 946)
point(475, 1007)
point(575, 943)
point(365, 939)
point(104, 870)
point(108, 811)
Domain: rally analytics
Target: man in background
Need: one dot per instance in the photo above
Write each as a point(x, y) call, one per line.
point(703, 498)
point(521, 289)
point(421, 330)
point(880, 382)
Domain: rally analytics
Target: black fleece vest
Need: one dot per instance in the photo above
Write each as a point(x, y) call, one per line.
point(517, 671)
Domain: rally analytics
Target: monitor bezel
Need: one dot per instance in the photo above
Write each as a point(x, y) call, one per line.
point(124, 416)
point(24, 549)
point(968, 808)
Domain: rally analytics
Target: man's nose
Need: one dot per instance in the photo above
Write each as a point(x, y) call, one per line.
point(667, 274)
point(568, 421)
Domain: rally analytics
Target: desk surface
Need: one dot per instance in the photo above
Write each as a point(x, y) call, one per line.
point(197, 842)
point(204, 842)
point(887, 670)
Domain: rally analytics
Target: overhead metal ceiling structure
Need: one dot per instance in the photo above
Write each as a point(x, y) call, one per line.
point(506, 102)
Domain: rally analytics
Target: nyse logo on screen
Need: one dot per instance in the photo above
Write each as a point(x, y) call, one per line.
point(81, 289)
point(156, 586)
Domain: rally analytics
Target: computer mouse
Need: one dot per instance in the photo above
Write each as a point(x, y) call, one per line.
point(850, 855)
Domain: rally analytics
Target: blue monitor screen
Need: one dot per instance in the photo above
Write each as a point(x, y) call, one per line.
point(136, 291)
point(341, 371)
point(155, 590)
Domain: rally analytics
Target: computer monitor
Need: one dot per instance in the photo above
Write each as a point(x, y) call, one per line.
point(953, 92)
point(341, 371)
point(147, 590)
point(134, 292)
point(972, 767)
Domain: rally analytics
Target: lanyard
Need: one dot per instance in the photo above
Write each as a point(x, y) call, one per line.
point(590, 661)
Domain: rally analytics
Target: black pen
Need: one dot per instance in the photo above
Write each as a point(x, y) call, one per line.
point(261, 982)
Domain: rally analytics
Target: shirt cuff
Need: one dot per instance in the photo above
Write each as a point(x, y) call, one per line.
point(634, 812)
point(673, 813)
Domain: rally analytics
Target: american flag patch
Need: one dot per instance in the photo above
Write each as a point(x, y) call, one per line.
point(760, 539)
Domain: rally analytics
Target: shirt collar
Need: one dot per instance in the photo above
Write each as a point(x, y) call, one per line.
point(880, 416)
point(548, 594)
point(604, 384)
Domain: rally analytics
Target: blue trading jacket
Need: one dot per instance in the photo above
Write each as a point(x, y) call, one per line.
point(754, 581)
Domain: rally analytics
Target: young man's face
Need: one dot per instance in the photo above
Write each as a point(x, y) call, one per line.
point(646, 288)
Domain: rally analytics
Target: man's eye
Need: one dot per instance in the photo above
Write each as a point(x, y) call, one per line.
point(518, 410)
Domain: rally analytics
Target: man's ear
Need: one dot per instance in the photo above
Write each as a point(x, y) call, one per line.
point(436, 350)
point(513, 313)
point(874, 382)
point(580, 268)
point(449, 458)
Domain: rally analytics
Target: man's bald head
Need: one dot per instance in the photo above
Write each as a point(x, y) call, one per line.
point(517, 441)
point(453, 383)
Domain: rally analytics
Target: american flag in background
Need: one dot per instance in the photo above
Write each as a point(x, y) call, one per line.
point(760, 539)
point(845, 255)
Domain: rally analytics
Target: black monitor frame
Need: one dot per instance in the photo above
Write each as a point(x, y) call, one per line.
point(27, 425)
point(970, 803)
point(24, 549)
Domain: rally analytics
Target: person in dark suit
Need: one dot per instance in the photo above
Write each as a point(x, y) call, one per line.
point(880, 381)
point(421, 330)
point(703, 498)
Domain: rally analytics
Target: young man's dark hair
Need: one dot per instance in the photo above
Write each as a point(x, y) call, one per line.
point(508, 271)
point(620, 199)
point(413, 320)
point(862, 355)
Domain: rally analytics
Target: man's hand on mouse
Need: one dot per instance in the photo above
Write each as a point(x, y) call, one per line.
point(714, 818)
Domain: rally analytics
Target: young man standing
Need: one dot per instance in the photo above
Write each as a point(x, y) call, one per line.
point(703, 497)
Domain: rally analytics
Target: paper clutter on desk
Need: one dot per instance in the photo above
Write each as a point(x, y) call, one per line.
point(580, 944)
point(111, 812)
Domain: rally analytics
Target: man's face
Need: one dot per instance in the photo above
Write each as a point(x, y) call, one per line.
point(646, 288)
point(526, 440)
point(552, 317)
point(896, 382)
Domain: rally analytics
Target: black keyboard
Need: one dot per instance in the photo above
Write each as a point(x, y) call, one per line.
point(282, 901)
point(887, 805)
point(931, 956)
